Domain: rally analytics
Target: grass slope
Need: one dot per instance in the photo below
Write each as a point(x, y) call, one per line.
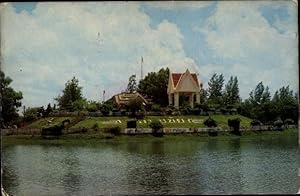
point(168, 121)
point(44, 122)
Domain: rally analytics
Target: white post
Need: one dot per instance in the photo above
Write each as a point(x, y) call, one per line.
point(176, 100)
point(170, 99)
point(191, 100)
point(198, 97)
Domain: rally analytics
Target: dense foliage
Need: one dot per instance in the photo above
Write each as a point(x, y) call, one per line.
point(71, 99)
point(10, 100)
point(155, 86)
point(132, 86)
point(210, 122)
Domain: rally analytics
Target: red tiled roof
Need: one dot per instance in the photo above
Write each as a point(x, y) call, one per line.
point(176, 77)
point(195, 78)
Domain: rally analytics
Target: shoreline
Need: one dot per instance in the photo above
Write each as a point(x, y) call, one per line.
point(86, 138)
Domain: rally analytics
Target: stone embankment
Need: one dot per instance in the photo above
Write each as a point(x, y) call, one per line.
point(129, 131)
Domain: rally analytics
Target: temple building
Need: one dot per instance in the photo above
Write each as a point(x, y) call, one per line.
point(183, 84)
point(123, 99)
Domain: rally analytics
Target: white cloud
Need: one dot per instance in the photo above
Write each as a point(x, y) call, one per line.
point(176, 5)
point(238, 33)
point(99, 43)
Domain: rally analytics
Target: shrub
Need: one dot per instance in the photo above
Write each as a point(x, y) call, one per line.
point(140, 115)
point(278, 124)
point(169, 111)
point(255, 123)
point(155, 108)
point(84, 130)
point(30, 114)
point(235, 124)
point(196, 111)
point(123, 112)
point(233, 111)
point(105, 109)
point(131, 123)
point(185, 110)
point(289, 121)
point(115, 130)
point(157, 128)
point(210, 122)
point(95, 126)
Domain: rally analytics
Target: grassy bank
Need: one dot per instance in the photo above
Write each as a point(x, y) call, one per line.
point(86, 139)
point(167, 121)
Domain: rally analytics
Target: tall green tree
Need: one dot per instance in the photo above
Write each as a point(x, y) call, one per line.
point(203, 94)
point(132, 86)
point(215, 86)
point(10, 100)
point(285, 104)
point(71, 97)
point(231, 92)
point(258, 105)
point(155, 85)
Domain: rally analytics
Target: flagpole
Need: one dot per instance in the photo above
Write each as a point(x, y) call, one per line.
point(142, 67)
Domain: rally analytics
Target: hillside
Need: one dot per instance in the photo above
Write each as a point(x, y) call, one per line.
point(167, 121)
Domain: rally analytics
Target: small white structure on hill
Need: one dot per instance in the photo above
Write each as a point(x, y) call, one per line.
point(186, 84)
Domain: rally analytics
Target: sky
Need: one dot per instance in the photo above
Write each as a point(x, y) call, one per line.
point(101, 43)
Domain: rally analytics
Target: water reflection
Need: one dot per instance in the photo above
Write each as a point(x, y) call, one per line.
point(71, 179)
point(154, 167)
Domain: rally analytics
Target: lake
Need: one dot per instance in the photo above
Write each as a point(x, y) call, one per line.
point(169, 165)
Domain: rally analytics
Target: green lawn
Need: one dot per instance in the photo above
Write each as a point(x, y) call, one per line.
point(167, 121)
point(44, 122)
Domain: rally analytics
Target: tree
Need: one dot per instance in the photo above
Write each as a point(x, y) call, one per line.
point(260, 104)
point(10, 100)
point(215, 86)
point(71, 94)
point(155, 85)
point(31, 114)
point(231, 92)
point(135, 105)
point(132, 86)
point(203, 94)
point(285, 104)
point(48, 110)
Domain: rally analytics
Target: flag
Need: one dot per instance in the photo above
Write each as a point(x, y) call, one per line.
point(142, 60)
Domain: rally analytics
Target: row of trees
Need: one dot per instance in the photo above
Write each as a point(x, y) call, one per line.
point(260, 105)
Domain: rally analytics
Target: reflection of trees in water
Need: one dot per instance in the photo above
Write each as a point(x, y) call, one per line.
point(150, 173)
point(160, 166)
point(71, 178)
point(218, 167)
point(9, 176)
point(63, 168)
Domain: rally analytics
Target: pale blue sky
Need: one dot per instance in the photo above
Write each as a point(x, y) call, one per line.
point(45, 44)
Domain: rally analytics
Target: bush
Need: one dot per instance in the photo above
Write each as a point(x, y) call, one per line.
point(131, 123)
point(169, 110)
point(289, 121)
point(210, 122)
point(278, 124)
point(30, 114)
point(123, 112)
point(105, 109)
point(235, 124)
point(140, 115)
point(196, 111)
point(185, 110)
point(115, 130)
point(255, 123)
point(157, 128)
point(155, 108)
point(95, 126)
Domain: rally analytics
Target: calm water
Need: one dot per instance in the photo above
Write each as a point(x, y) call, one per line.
point(180, 166)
